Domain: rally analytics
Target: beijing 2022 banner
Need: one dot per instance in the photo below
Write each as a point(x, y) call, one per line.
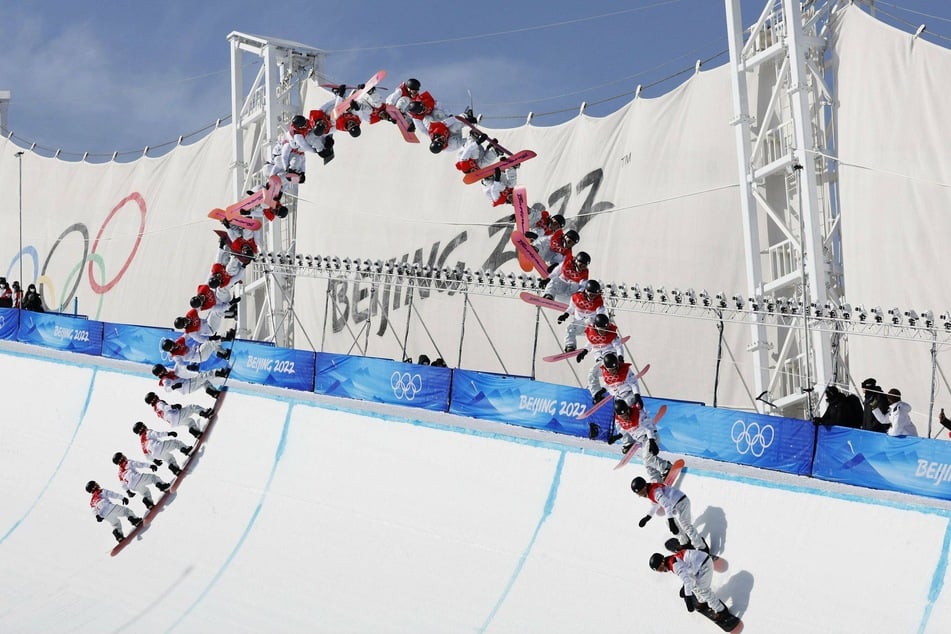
point(61, 332)
point(768, 442)
point(142, 344)
point(383, 381)
point(265, 364)
point(921, 466)
point(522, 401)
point(9, 322)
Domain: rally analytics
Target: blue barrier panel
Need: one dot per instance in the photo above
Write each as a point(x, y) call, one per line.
point(9, 323)
point(141, 344)
point(768, 442)
point(268, 365)
point(522, 401)
point(383, 381)
point(870, 459)
point(60, 332)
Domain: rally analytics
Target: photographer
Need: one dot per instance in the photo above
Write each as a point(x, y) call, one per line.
point(874, 400)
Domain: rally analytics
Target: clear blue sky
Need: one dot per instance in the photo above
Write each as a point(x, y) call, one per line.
point(114, 75)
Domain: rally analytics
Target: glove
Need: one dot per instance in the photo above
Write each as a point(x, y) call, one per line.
point(562, 317)
point(593, 431)
point(410, 127)
point(177, 386)
point(131, 494)
point(340, 90)
point(99, 518)
point(672, 525)
point(479, 137)
point(153, 467)
point(531, 235)
point(638, 401)
point(689, 600)
point(652, 446)
point(125, 500)
point(644, 521)
point(354, 105)
point(581, 355)
point(173, 434)
point(598, 396)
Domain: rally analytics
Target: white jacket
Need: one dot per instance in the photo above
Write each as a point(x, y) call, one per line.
point(899, 418)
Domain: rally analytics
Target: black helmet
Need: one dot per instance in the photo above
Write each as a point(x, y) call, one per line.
point(583, 258)
point(299, 123)
point(320, 127)
point(412, 84)
point(151, 398)
point(168, 345)
point(91, 486)
point(610, 361)
point(621, 408)
point(117, 457)
point(592, 287)
point(602, 321)
point(438, 145)
point(353, 128)
point(655, 561)
point(181, 322)
point(196, 301)
point(214, 281)
point(158, 369)
point(416, 107)
point(638, 484)
point(557, 219)
point(139, 427)
point(572, 235)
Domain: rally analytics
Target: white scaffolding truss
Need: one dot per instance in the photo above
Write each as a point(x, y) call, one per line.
point(261, 111)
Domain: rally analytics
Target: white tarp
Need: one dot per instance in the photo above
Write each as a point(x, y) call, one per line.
point(652, 189)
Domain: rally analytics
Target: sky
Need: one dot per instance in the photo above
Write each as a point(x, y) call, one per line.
point(125, 75)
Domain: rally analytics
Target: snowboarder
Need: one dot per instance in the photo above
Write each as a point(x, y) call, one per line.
point(137, 476)
point(569, 277)
point(199, 330)
point(634, 430)
point(542, 223)
point(695, 569)
point(176, 414)
point(218, 302)
point(584, 305)
point(603, 337)
point(553, 248)
point(189, 381)
point(620, 381)
point(159, 447)
point(109, 505)
point(676, 505)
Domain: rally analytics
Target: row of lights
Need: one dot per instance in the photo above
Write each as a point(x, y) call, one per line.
point(407, 269)
point(783, 306)
point(675, 297)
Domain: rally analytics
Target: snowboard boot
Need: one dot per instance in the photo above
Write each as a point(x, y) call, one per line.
point(207, 412)
point(212, 392)
point(229, 336)
point(148, 503)
point(626, 447)
point(135, 521)
point(194, 432)
point(223, 354)
point(663, 476)
point(593, 431)
point(598, 396)
point(163, 486)
point(616, 437)
point(174, 469)
point(118, 535)
point(157, 462)
point(223, 372)
point(186, 450)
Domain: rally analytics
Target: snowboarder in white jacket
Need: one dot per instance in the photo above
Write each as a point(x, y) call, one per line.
point(136, 477)
point(111, 506)
point(676, 505)
point(695, 569)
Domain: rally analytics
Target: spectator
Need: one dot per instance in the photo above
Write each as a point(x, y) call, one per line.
point(874, 399)
point(423, 360)
point(439, 363)
point(6, 294)
point(32, 300)
point(944, 421)
point(896, 420)
point(843, 410)
point(17, 295)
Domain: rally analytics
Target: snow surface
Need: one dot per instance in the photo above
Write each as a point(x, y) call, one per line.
point(312, 514)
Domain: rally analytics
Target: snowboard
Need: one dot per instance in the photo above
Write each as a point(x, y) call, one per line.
point(492, 142)
point(574, 353)
point(520, 202)
point(245, 222)
point(731, 623)
point(626, 458)
point(397, 116)
point(266, 196)
point(170, 493)
point(608, 398)
point(510, 161)
point(538, 300)
point(341, 107)
point(524, 247)
point(675, 468)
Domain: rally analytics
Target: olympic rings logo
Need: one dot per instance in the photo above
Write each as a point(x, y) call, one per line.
point(752, 438)
point(45, 285)
point(405, 385)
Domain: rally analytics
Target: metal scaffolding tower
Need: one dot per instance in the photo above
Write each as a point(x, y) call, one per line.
point(788, 193)
point(261, 111)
